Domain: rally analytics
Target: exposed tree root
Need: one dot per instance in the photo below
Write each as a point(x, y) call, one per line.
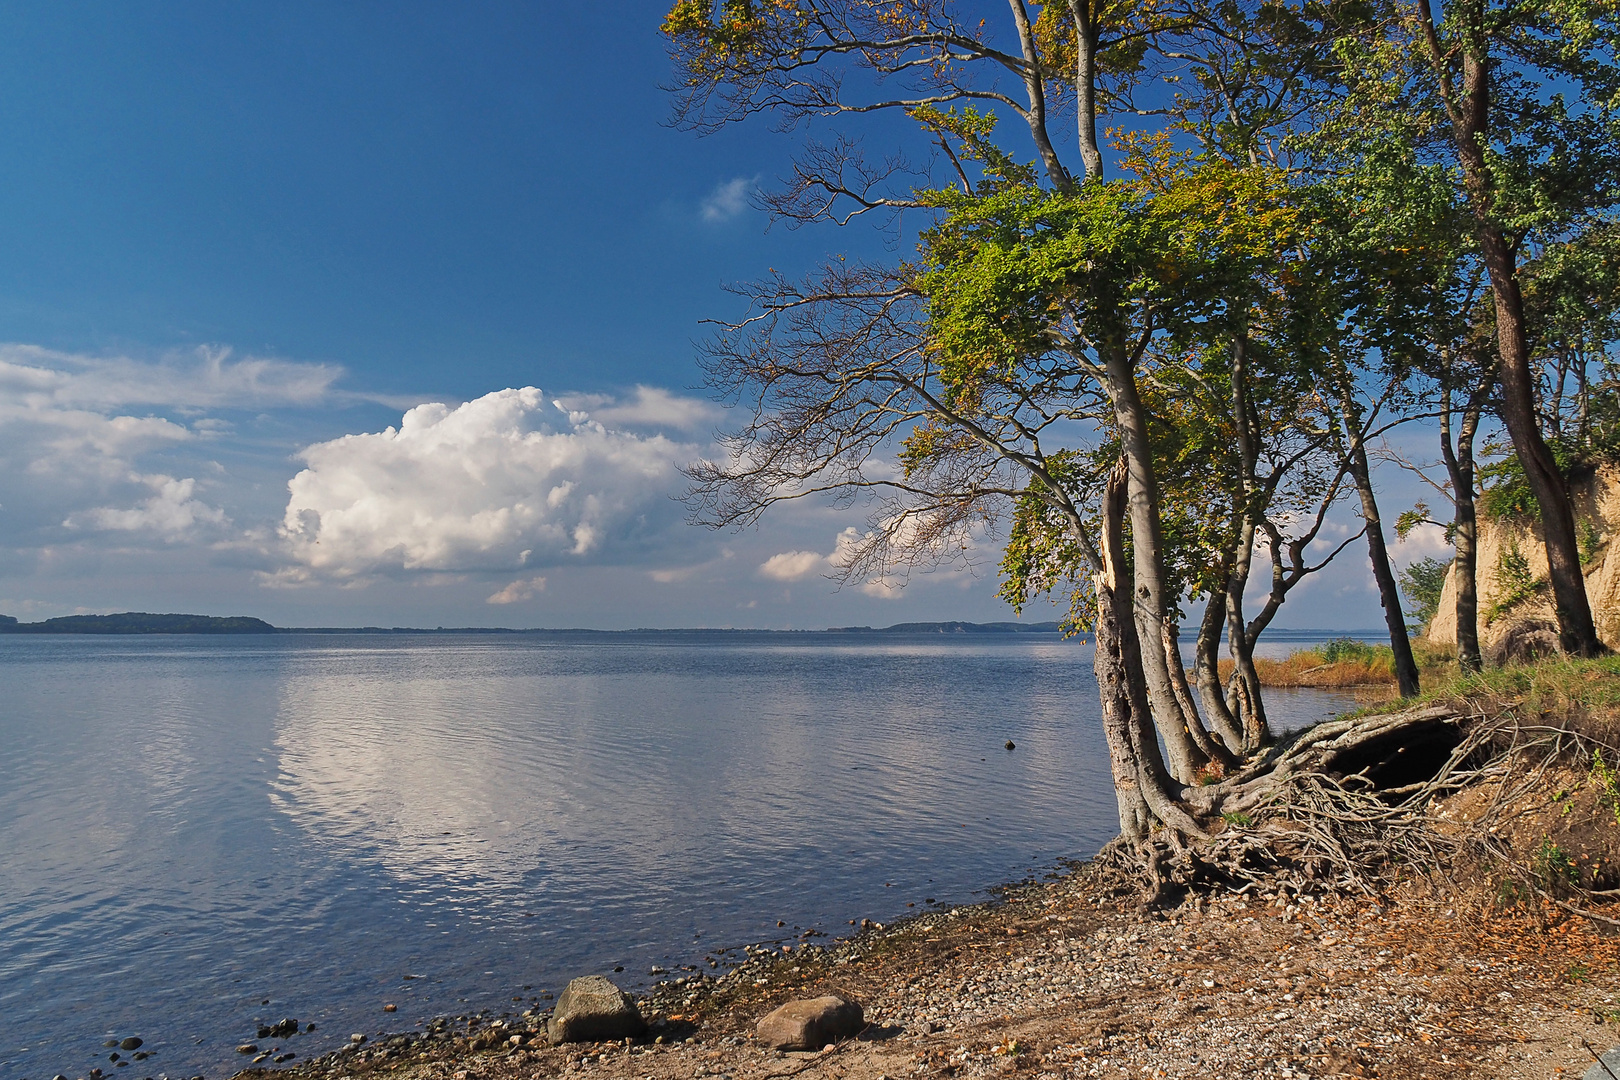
point(1347, 807)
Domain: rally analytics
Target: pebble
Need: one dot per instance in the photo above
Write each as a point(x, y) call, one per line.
point(390, 1008)
point(131, 1043)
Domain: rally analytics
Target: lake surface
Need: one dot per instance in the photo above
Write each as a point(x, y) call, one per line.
point(198, 834)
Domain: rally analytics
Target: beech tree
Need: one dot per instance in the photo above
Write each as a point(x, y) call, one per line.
point(1065, 347)
point(1028, 324)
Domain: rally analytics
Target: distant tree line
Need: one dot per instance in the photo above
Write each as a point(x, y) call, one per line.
point(138, 622)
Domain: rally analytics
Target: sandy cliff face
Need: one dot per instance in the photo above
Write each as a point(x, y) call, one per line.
point(1597, 500)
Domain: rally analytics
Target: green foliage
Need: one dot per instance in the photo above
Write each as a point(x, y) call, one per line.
point(1607, 781)
point(1238, 818)
point(1010, 274)
point(1553, 867)
point(1590, 541)
point(1350, 651)
point(1042, 554)
point(973, 131)
point(1421, 583)
point(1514, 582)
point(1506, 494)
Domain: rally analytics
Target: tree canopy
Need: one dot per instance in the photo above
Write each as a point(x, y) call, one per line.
point(1155, 359)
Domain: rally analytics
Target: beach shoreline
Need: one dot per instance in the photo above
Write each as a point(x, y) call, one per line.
point(1063, 978)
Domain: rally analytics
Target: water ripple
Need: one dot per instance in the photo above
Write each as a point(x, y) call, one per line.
point(192, 827)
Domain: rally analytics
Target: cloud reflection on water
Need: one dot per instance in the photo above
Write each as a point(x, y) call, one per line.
point(524, 774)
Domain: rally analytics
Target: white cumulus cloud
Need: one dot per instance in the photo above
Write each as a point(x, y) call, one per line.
point(519, 591)
point(648, 407)
point(793, 565)
point(490, 485)
point(729, 199)
point(171, 511)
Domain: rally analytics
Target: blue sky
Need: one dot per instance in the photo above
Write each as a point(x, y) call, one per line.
point(242, 240)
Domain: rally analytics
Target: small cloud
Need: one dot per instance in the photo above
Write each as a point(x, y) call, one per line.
point(650, 407)
point(519, 591)
point(792, 565)
point(883, 588)
point(171, 511)
point(729, 199)
point(1426, 541)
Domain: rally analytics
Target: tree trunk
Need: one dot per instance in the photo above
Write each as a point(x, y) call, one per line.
point(1085, 86)
point(1126, 714)
point(1577, 633)
point(1213, 749)
point(1243, 694)
point(1148, 602)
point(1470, 117)
point(1035, 93)
point(1389, 594)
point(1113, 687)
point(1459, 459)
point(1206, 672)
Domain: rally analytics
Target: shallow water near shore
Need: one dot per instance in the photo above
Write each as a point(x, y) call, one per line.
point(200, 834)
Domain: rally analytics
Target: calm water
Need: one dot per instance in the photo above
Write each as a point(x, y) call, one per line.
point(199, 833)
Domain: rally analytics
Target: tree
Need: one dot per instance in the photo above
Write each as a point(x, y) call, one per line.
point(1422, 582)
point(1523, 95)
point(1038, 353)
point(1025, 316)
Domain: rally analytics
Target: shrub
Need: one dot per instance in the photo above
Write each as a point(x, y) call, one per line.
point(1513, 581)
point(1421, 584)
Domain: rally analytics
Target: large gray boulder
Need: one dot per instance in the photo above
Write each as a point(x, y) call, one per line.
point(810, 1024)
point(1606, 1067)
point(592, 1009)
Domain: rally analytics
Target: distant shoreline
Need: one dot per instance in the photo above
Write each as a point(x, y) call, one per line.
point(138, 623)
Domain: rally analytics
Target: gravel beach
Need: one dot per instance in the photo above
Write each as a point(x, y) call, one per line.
point(1058, 979)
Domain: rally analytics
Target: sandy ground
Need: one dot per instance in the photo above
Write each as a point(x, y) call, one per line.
point(1055, 980)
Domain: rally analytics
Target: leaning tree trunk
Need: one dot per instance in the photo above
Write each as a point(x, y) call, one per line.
point(1212, 748)
point(1389, 594)
point(1207, 672)
point(1243, 693)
